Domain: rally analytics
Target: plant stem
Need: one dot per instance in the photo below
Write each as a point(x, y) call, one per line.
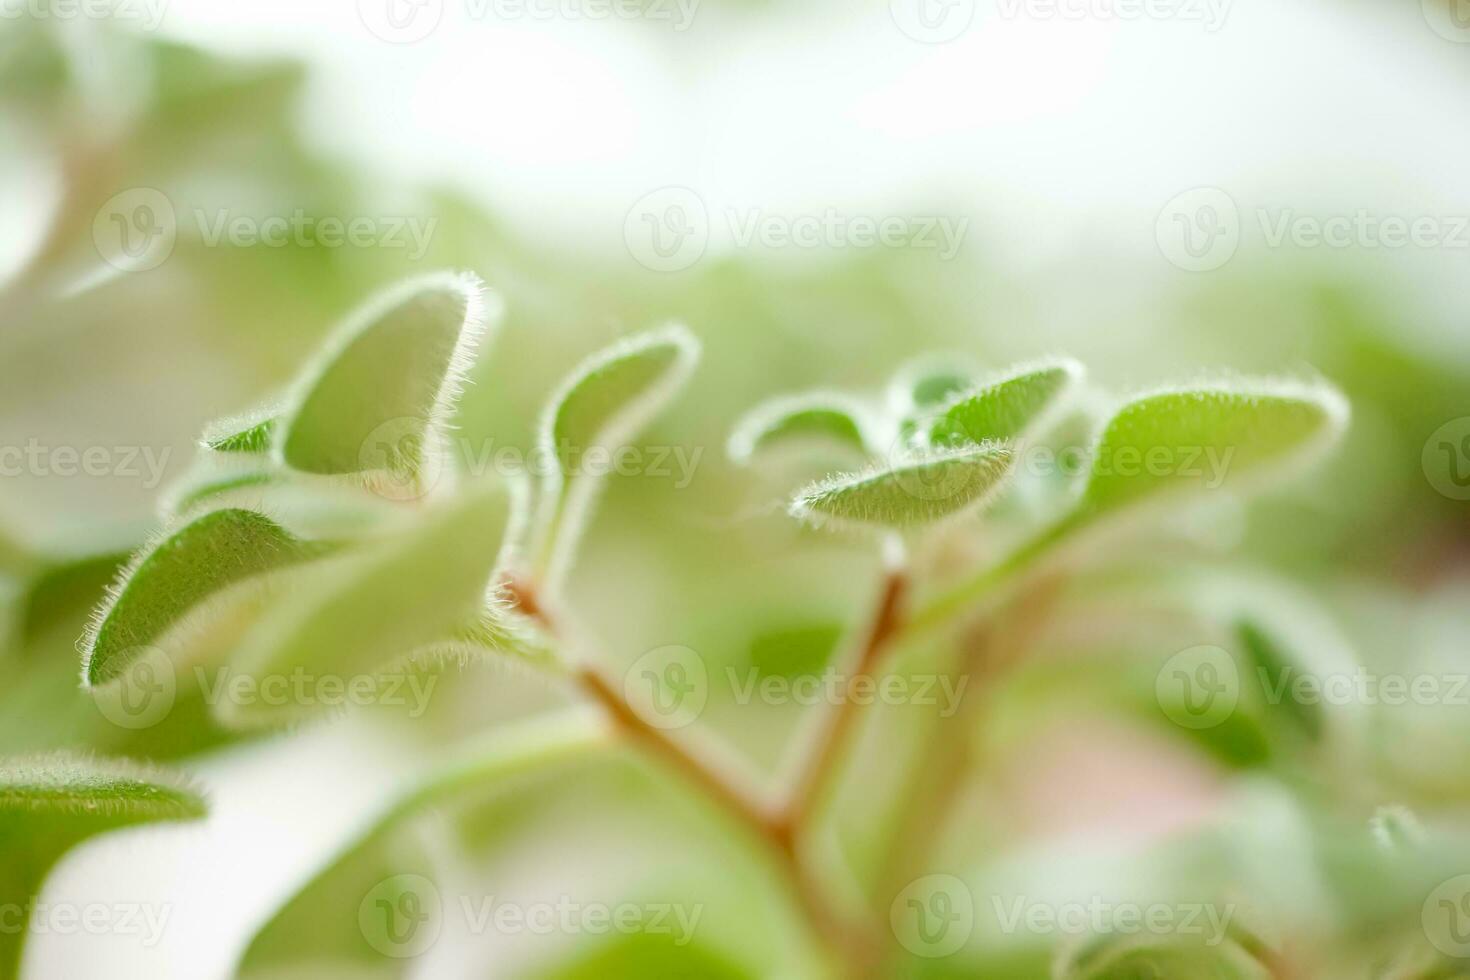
point(832, 740)
point(739, 802)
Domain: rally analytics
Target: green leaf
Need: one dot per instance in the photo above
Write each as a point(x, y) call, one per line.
point(821, 418)
point(927, 382)
point(913, 492)
point(380, 397)
point(249, 433)
point(1162, 956)
point(1006, 409)
point(176, 574)
point(603, 403)
point(50, 803)
point(1275, 670)
point(1209, 437)
point(324, 925)
point(372, 610)
point(213, 475)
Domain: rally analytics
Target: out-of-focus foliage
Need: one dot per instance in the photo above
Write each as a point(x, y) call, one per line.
point(1080, 783)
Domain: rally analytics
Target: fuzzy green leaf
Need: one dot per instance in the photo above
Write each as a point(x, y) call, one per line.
point(911, 493)
point(604, 403)
point(1006, 409)
point(51, 803)
point(249, 433)
point(1209, 437)
point(369, 611)
point(177, 573)
point(824, 418)
point(382, 393)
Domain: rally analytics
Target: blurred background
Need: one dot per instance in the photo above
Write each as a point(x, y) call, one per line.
point(195, 192)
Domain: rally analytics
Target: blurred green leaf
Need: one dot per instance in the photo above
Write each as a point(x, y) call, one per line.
point(50, 803)
point(334, 922)
point(604, 403)
point(826, 418)
point(1207, 438)
point(372, 609)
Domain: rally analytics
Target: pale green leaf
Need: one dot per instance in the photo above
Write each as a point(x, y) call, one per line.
point(176, 574)
point(604, 403)
point(815, 418)
point(51, 803)
point(928, 381)
point(1208, 438)
point(324, 926)
point(913, 492)
point(1006, 409)
point(382, 393)
point(368, 612)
